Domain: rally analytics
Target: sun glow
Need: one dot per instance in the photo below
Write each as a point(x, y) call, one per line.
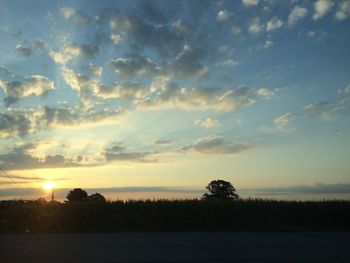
point(48, 185)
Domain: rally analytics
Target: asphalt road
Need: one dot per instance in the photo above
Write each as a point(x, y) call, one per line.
point(177, 247)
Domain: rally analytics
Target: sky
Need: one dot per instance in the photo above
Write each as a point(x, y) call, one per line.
point(141, 99)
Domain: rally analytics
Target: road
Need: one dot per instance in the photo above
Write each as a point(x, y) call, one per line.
point(177, 247)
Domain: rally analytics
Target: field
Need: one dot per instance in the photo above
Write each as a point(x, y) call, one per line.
point(173, 215)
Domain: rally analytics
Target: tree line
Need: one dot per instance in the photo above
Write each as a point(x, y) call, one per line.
point(217, 190)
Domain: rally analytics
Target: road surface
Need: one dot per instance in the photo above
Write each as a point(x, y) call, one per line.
point(177, 247)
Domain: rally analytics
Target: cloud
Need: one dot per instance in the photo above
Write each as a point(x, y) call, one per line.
point(226, 50)
point(85, 85)
point(60, 193)
point(93, 70)
point(255, 27)
point(343, 10)
point(217, 145)
point(75, 16)
point(14, 123)
point(249, 3)
point(15, 180)
point(163, 38)
point(318, 35)
point(347, 88)
point(35, 85)
point(117, 153)
point(50, 117)
point(24, 51)
point(273, 24)
point(321, 109)
point(125, 90)
point(27, 51)
point(188, 63)
point(74, 50)
point(171, 95)
point(20, 158)
point(283, 121)
point(162, 142)
point(236, 31)
point(264, 92)
point(5, 72)
point(297, 14)
point(317, 188)
point(322, 7)
point(207, 123)
point(223, 15)
point(227, 63)
point(25, 122)
point(268, 43)
point(134, 65)
point(116, 39)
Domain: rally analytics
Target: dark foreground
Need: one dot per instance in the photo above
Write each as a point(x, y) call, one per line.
point(173, 216)
point(177, 247)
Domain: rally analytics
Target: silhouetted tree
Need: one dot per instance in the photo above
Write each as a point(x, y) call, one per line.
point(76, 195)
point(97, 197)
point(220, 189)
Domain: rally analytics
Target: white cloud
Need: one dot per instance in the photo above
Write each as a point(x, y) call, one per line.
point(282, 122)
point(83, 84)
point(72, 51)
point(273, 24)
point(223, 15)
point(126, 90)
point(94, 70)
point(228, 62)
point(116, 39)
point(343, 10)
point(268, 43)
point(255, 27)
point(207, 123)
point(250, 2)
point(297, 14)
point(236, 30)
point(170, 95)
point(322, 7)
point(75, 16)
point(264, 92)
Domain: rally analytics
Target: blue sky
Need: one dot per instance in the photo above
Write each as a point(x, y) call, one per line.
point(146, 94)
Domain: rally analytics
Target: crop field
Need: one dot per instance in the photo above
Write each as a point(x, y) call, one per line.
point(173, 215)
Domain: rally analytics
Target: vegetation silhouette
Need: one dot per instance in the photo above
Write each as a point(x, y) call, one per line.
point(85, 214)
point(77, 195)
point(173, 215)
point(220, 190)
point(80, 195)
point(97, 197)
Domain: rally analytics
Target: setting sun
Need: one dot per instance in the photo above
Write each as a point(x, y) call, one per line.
point(48, 185)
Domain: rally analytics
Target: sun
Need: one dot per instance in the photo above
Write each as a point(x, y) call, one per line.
point(48, 185)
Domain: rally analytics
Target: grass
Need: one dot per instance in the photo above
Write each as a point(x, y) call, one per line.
point(173, 215)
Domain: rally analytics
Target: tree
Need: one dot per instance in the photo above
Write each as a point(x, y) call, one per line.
point(220, 189)
point(97, 197)
point(77, 195)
